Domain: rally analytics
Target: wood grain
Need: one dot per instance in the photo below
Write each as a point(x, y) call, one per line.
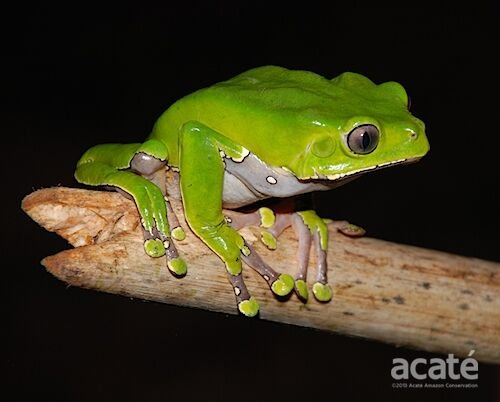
point(384, 291)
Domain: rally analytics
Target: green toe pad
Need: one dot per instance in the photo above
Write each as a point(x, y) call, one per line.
point(178, 233)
point(301, 289)
point(267, 217)
point(249, 307)
point(269, 240)
point(322, 292)
point(177, 266)
point(154, 248)
point(283, 285)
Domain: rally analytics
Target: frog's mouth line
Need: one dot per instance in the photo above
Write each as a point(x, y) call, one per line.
point(358, 172)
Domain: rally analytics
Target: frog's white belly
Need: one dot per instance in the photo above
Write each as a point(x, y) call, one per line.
point(252, 180)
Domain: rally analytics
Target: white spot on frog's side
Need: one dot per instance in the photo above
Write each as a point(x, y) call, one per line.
point(265, 277)
point(237, 290)
point(166, 244)
point(271, 180)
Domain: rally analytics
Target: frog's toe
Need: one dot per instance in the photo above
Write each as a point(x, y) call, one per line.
point(346, 228)
point(269, 240)
point(178, 233)
point(322, 292)
point(158, 245)
point(154, 247)
point(249, 307)
point(177, 266)
point(267, 217)
point(301, 290)
point(283, 285)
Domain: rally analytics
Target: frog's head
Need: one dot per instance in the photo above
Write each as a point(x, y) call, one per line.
point(364, 128)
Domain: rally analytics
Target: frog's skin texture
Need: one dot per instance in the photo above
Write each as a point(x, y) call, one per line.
point(269, 132)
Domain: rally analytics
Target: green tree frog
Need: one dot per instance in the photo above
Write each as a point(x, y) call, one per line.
point(268, 132)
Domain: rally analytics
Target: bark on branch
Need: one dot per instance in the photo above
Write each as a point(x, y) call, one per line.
point(389, 292)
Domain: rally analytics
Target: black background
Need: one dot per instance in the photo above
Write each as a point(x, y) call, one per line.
point(84, 75)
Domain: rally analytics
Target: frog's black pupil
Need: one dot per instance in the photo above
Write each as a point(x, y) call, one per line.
point(365, 139)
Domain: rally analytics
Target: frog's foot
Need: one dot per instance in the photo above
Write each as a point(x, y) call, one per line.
point(152, 202)
point(308, 227)
point(272, 224)
point(280, 284)
point(157, 245)
point(311, 231)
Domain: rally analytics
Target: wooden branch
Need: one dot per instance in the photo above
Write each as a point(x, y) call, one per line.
point(389, 292)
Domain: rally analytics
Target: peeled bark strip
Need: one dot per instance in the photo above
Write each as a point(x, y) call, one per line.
point(390, 292)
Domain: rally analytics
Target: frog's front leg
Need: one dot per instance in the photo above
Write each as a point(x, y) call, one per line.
point(202, 178)
point(122, 166)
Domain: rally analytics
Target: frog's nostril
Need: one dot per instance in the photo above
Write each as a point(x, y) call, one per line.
point(323, 147)
point(412, 134)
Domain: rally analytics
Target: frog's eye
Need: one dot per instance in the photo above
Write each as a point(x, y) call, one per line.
point(363, 139)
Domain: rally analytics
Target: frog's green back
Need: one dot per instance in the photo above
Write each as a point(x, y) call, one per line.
point(271, 109)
